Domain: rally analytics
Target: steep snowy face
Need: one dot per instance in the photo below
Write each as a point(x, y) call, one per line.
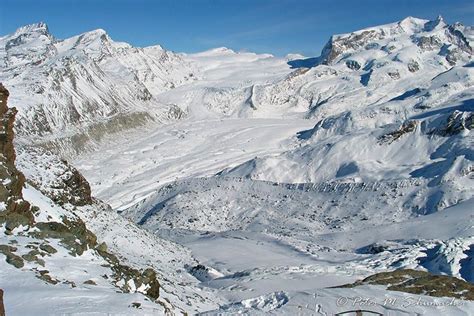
point(57, 242)
point(30, 44)
point(395, 39)
point(87, 85)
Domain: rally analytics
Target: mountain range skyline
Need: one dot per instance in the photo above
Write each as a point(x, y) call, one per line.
point(276, 27)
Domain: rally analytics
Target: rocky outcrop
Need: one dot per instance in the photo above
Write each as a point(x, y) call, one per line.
point(338, 45)
point(457, 37)
point(54, 177)
point(413, 66)
point(429, 43)
point(456, 122)
point(420, 282)
point(129, 279)
point(14, 211)
point(352, 64)
point(459, 121)
point(405, 128)
point(63, 184)
point(2, 308)
point(79, 188)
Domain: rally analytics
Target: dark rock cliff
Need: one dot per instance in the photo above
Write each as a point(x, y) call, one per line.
point(14, 211)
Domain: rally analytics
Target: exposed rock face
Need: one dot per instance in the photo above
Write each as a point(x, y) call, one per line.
point(125, 276)
point(2, 308)
point(14, 211)
point(453, 56)
point(352, 64)
point(80, 190)
point(413, 66)
point(407, 127)
point(337, 46)
point(420, 282)
point(395, 75)
point(458, 38)
point(456, 123)
point(54, 177)
point(429, 43)
point(459, 121)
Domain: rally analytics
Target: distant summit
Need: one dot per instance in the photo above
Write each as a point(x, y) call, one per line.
point(394, 37)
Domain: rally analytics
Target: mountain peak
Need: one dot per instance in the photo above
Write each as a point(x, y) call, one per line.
point(412, 25)
point(431, 25)
point(92, 39)
point(97, 32)
point(413, 20)
point(39, 27)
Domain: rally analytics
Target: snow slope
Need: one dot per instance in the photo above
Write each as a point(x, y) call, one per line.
point(68, 272)
point(298, 240)
point(179, 290)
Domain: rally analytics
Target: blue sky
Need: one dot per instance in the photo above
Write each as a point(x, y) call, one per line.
point(278, 27)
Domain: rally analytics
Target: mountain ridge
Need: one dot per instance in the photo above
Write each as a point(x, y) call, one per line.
point(64, 84)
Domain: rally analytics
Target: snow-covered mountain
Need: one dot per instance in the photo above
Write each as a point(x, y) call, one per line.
point(368, 67)
point(251, 183)
point(291, 176)
point(84, 87)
